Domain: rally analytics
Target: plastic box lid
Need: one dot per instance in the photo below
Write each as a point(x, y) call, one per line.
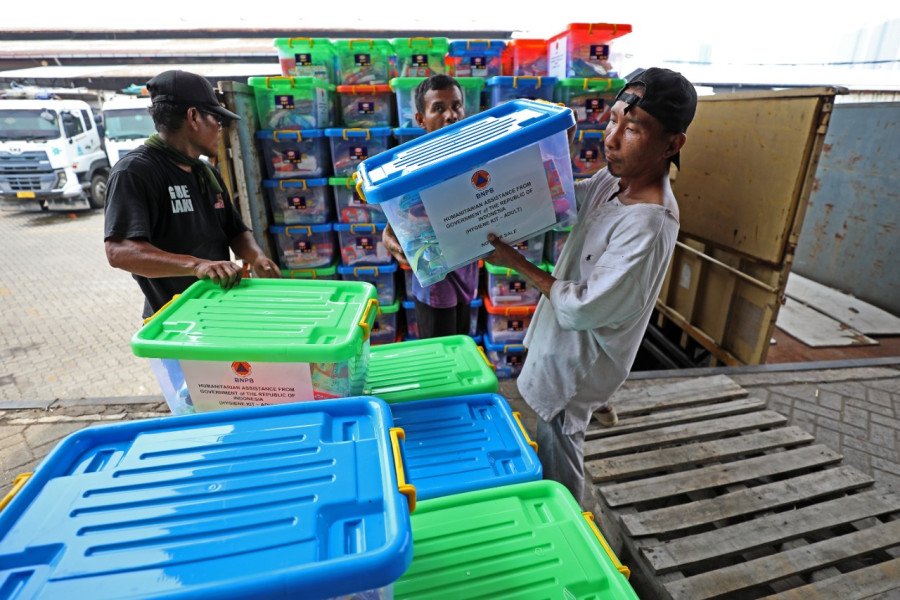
point(593, 84)
point(467, 47)
point(409, 83)
point(321, 272)
point(295, 183)
point(528, 540)
point(457, 148)
point(361, 88)
point(524, 81)
point(464, 443)
point(507, 272)
point(359, 227)
point(266, 502)
point(589, 134)
point(335, 132)
point(595, 32)
point(268, 320)
point(280, 83)
point(508, 348)
point(409, 131)
point(388, 309)
point(434, 368)
point(508, 311)
point(372, 270)
point(289, 135)
point(304, 43)
point(412, 45)
point(300, 229)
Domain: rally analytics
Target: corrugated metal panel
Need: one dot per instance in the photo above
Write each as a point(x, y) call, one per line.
point(851, 234)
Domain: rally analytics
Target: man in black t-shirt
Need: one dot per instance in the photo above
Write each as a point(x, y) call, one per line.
point(169, 220)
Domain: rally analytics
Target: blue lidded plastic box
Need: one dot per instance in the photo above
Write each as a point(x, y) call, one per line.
point(475, 58)
point(382, 277)
point(464, 443)
point(270, 502)
point(304, 246)
point(361, 244)
point(350, 207)
point(299, 201)
point(505, 88)
point(289, 153)
point(506, 358)
point(349, 147)
point(506, 170)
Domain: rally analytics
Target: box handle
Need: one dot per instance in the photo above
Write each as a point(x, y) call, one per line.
point(281, 183)
point(301, 228)
point(359, 188)
point(518, 417)
point(18, 483)
point(287, 132)
point(161, 308)
point(355, 129)
point(363, 228)
point(291, 41)
point(279, 77)
point(357, 271)
point(410, 41)
point(364, 322)
point(615, 27)
point(407, 489)
point(588, 80)
point(516, 81)
point(484, 356)
point(362, 41)
point(589, 517)
point(311, 273)
point(469, 43)
point(363, 89)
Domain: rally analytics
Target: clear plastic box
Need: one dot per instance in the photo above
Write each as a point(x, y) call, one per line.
point(385, 329)
point(528, 58)
point(349, 147)
point(591, 99)
point(553, 246)
point(364, 61)
point(304, 246)
point(582, 50)
point(405, 134)
point(531, 248)
point(475, 58)
point(384, 278)
point(306, 57)
point(289, 154)
point(365, 106)
point(506, 170)
point(361, 244)
point(504, 89)
point(350, 207)
point(419, 56)
point(293, 102)
point(506, 324)
point(506, 287)
point(588, 154)
point(299, 201)
point(506, 358)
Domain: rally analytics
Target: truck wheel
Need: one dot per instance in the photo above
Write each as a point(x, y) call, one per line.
point(97, 196)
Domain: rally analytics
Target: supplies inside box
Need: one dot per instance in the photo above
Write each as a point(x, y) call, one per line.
point(350, 207)
point(293, 102)
point(289, 154)
point(349, 147)
point(419, 56)
point(506, 170)
point(365, 106)
point(304, 246)
point(361, 244)
point(506, 287)
point(556, 239)
point(385, 329)
point(299, 201)
point(364, 61)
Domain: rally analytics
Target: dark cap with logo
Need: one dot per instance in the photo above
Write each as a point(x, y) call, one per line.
point(188, 89)
point(668, 97)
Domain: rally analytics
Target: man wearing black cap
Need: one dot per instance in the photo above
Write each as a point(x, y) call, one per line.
point(169, 220)
point(595, 307)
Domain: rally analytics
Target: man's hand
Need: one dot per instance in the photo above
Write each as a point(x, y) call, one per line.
point(503, 255)
point(223, 273)
point(390, 241)
point(265, 268)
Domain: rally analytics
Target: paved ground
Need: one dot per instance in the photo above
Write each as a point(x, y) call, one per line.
point(66, 318)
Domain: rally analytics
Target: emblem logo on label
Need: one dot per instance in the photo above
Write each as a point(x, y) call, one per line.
point(241, 368)
point(480, 179)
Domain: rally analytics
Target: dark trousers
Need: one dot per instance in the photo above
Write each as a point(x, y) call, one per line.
point(438, 322)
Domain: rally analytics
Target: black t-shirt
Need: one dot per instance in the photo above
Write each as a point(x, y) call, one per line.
point(150, 198)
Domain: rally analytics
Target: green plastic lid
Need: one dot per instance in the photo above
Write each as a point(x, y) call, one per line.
point(280, 83)
point(469, 84)
point(496, 270)
point(390, 308)
point(297, 44)
point(320, 273)
point(268, 320)
point(593, 84)
point(364, 45)
point(405, 83)
point(433, 368)
point(525, 540)
point(416, 45)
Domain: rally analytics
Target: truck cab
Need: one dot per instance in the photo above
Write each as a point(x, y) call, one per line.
point(127, 124)
point(51, 155)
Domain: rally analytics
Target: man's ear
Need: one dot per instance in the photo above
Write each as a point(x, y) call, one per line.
point(420, 119)
point(675, 144)
point(194, 117)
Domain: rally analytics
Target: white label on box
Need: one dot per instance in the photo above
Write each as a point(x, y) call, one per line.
point(323, 108)
point(557, 59)
point(216, 384)
point(508, 196)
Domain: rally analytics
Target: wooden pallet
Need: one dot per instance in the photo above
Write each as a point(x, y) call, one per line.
point(709, 495)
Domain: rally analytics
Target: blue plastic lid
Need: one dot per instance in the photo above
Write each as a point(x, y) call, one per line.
point(589, 134)
point(368, 270)
point(509, 348)
point(289, 135)
point(359, 227)
point(408, 304)
point(299, 229)
point(271, 502)
point(477, 302)
point(409, 131)
point(358, 133)
point(457, 148)
point(468, 47)
point(521, 82)
point(295, 183)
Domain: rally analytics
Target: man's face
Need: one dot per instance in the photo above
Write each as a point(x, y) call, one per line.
point(208, 133)
point(635, 141)
point(442, 108)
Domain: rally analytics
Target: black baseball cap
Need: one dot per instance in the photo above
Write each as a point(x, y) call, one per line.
point(188, 89)
point(668, 97)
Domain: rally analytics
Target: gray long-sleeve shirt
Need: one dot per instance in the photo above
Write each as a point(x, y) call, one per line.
point(583, 338)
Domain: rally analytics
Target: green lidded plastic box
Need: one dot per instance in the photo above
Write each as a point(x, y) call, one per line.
point(521, 541)
point(329, 272)
point(364, 61)
point(433, 368)
point(265, 341)
point(405, 89)
point(293, 103)
point(590, 98)
point(306, 57)
point(420, 56)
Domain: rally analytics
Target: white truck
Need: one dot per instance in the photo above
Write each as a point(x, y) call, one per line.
point(51, 155)
point(126, 124)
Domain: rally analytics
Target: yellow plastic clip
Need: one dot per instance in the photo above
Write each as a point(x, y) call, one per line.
point(284, 181)
point(412, 39)
point(364, 322)
point(362, 41)
point(279, 77)
point(484, 356)
point(589, 517)
point(311, 273)
point(291, 132)
point(363, 228)
point(366, 271)
point(161, 308)
point(518, 417)
point(291, 41)
point(18, 483)
point(407, 489)
point(469, 43)
point(299, 228)
point(359, 190)
point(356, 129)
